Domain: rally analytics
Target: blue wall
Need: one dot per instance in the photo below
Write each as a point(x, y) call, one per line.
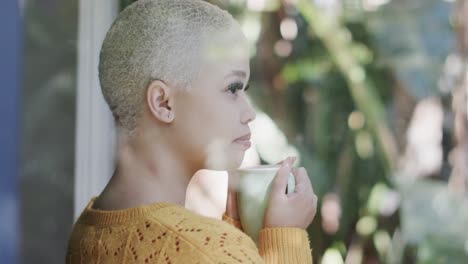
point(10, 67)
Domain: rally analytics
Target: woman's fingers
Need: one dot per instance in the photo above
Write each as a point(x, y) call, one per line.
point(303, 183)
point(281, 179)
point(281, 162)
point(302, 204)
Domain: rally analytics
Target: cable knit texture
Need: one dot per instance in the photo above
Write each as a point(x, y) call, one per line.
point(169, 233)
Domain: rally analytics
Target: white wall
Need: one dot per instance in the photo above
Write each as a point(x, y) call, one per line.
point(95, 134)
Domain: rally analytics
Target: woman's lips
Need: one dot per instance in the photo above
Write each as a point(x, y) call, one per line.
point(244, 142)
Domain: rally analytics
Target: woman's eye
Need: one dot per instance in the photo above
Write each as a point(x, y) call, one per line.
point(233, 88)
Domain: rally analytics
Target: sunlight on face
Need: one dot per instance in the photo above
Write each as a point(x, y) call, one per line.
point(217, 111)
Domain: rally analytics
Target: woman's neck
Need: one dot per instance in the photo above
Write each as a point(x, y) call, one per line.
point(146, 174)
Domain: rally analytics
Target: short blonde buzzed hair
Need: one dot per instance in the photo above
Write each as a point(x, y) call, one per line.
point(154, 39)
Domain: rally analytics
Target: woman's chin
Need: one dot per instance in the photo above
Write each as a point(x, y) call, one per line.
point(224, 163)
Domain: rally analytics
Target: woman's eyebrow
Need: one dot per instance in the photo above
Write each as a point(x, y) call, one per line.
point(237, 73)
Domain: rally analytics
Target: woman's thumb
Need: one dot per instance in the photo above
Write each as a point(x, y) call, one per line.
point(281, 179)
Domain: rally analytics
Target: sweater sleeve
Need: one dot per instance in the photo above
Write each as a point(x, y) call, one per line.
point(285, 245)
point(282, 245)
point(276, 246)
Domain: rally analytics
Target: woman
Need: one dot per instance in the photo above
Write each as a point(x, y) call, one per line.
point(174, 74)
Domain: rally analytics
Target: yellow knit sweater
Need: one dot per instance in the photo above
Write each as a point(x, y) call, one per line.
point(169, 233)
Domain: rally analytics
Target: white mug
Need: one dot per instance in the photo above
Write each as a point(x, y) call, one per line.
point(254, 187)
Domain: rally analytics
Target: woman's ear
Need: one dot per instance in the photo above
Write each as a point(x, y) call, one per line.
point(159, 98)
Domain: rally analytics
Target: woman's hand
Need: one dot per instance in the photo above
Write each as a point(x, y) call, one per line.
point(295, 209)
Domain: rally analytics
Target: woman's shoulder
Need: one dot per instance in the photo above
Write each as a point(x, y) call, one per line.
point(207, 234)
point(183, 222)
point(159, 231)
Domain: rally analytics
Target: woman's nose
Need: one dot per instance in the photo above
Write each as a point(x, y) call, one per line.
point(248, 115)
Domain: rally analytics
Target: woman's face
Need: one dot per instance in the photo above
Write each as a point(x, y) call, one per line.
point(216, 111)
